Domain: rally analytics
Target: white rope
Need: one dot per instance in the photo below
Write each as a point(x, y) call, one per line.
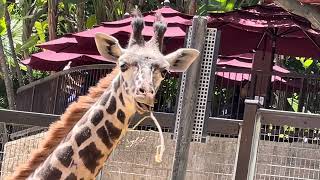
point(161, 147)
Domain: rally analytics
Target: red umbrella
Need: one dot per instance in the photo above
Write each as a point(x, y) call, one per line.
point(267, 27)
point(52, 61)
point(174, 36)
point(242, 61)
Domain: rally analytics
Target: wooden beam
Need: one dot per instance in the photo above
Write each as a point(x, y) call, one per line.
point(190, 96)
point(27, 118)
point(249, 137)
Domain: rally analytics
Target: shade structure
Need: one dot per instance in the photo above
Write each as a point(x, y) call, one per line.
point(243, 61)
point(252, 28)
point(52, 61)
point(121, 29)
point(59, 44)
point(266, 27)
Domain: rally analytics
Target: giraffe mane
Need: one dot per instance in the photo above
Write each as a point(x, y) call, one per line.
point(59, 129)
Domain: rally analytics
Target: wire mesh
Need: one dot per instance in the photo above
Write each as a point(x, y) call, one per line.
point(17, 141)
point(288, 153)
point(134, 158)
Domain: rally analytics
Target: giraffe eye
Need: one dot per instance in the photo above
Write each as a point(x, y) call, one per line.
point(124, 67)
point(164, 72)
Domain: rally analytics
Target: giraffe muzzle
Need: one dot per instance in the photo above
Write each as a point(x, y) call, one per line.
point(145, 102)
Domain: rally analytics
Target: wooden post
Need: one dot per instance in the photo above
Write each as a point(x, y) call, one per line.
point(249, 138)
point(199, 28)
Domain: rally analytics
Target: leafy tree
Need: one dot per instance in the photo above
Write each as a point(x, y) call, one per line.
point(4, 67)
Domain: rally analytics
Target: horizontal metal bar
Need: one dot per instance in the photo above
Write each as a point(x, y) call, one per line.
point(280, 118)
point(26, 132)
point(216, 125)
point(44, 120)
point(61, 73)
point(27, 118)
point(223, 126)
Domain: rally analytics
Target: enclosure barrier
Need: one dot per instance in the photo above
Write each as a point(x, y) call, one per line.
point(59, 90)
point(268, 144)
point(134, 157)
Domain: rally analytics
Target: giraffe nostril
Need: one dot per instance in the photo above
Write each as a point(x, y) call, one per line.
point(141, 90)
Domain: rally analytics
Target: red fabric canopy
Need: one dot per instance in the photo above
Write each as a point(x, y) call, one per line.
point(241, 32)
point(84, 41)
point(243, 61)
point(253, 28)
point(52, 61)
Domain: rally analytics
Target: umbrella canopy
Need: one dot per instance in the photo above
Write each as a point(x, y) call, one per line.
point(52, 61)
point(121, 29)
point(266, 27)
point(243, 61)
point(253, 28)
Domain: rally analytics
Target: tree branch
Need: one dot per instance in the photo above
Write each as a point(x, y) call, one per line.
point(310, 12)
point(37, 15)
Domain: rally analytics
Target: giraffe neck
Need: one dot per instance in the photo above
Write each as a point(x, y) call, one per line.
point(88, 145)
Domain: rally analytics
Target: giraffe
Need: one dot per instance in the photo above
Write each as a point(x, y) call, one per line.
point(88, 142)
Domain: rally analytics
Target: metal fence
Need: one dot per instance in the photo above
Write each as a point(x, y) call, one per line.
point(59, 90)
point(134, 157)
point(288, 147)
point(288, 92)
point(283, 146)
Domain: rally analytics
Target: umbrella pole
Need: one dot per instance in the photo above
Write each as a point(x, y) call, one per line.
point(269, 87)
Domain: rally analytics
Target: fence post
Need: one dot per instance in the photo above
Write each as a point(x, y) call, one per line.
point(249, 138)
point(190, 95)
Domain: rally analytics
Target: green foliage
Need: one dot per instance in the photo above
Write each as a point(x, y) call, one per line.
point(2, 7)
point(220, 6)
point(41, 28)
point(31, 42)
point(2, 26)
point(302, 65)
point(91, 21)
point(294, 102)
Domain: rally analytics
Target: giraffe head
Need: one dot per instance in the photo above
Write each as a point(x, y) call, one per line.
point(142, 64)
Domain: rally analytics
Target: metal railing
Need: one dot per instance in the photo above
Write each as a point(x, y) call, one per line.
point(278, 145)
point(267, 144)
point(59, 90)
point(287, 92)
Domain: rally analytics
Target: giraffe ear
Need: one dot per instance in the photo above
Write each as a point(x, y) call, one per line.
point(108, 46)
point(181, 59)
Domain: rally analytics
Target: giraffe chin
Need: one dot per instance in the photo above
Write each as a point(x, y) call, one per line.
point(143, 108)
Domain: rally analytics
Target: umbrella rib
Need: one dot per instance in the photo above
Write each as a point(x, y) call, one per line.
point(264, 34)
point(313, 41)
point(288, 32)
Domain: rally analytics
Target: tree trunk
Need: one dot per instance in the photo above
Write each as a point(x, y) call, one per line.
point(192, 7)
point(13, 52)
point(129, 6)
point(52, 18)
point(7, 78)
point(25, 35)
point(180, 5)
point(100, 10)
point(310, 12)
point(27, 26)
point(80, 15)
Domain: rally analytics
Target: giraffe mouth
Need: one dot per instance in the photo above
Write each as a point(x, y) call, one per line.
point(142, 107)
